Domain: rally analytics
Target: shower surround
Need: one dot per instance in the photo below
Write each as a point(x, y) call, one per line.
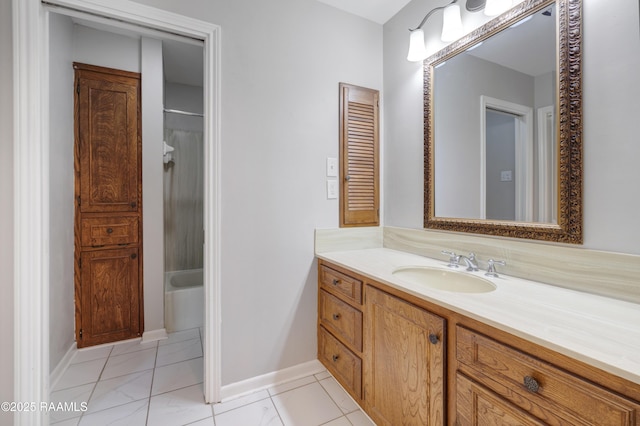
point(183, 227)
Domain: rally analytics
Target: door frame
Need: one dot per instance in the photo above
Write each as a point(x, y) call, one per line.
point(30, 26)
point(524, 155)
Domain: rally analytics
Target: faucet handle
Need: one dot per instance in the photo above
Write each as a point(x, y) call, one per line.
point(491, 269)
point(454, 259)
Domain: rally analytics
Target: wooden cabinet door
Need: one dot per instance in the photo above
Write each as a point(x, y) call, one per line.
point(359, 156)
point(109, 296)
point(107, 131)
point(404, 362)
point(108, 211)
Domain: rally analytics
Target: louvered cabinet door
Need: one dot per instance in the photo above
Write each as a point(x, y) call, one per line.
point(359, 141)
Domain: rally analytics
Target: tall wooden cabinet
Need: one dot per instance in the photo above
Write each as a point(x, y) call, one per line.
point(108, 211)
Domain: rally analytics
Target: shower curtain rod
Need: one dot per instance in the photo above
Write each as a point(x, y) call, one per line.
point(177, 111)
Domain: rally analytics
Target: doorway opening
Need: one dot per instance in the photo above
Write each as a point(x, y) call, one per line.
point(506, 178)
point(183, 181)
point(33, 136)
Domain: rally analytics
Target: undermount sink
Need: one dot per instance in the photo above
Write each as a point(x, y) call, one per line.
point(441, 279)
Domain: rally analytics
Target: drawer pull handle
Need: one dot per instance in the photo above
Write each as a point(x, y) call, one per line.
point(335, 358)
point(531, 384)
point(336, 281)
point(109, 230)
point(336, 317)
point(433, 339)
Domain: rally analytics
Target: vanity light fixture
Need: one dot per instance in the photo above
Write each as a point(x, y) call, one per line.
point(451, 23)
point(451, 29)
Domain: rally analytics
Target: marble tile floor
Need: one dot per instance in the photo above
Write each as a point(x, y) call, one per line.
point(160, 384)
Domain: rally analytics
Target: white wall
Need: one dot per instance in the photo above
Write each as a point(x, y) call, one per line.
point(282, 61)
point(6, 212)
point(61, 183)
point(611, 99)
point(105, 49)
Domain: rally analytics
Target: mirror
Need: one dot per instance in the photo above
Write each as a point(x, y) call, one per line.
point(503, 127)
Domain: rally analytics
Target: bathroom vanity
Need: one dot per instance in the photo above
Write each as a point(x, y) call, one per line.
point(519, 353)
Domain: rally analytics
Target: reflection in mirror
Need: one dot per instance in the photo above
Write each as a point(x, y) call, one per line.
point(503, 127)
point(491, 124)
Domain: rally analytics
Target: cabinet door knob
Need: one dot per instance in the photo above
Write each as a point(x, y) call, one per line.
point(133, 256)
point(336, 316)
point(335, 358)
point(433, 338)
point(109, 230)
point(336, 281)
point(134, 205)
point(531, 384)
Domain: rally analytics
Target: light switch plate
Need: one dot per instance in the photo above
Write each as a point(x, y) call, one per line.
point(332, 189)
point(332, 167)
point(506, 176)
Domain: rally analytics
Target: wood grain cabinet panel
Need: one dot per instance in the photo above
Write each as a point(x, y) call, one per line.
point(107, 116)
point(404, 369)
point(341, 285)
point(110, 296)
point(547, 392)
point(345, 365)
point(478, 406)
point(340, 327)
point(104, 231)
point(342, 319)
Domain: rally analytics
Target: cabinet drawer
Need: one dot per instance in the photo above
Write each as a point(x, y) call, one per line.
point(341, 319)
point(345, 287)
point(476, 405)
point(549, 393)
point(104, 231)
point(341, 362)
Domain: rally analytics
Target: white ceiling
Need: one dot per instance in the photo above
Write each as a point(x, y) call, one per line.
point(379, 11)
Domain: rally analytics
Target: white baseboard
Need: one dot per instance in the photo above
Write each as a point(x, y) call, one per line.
point(62, 366)
point(268, 380)
point(152, 335)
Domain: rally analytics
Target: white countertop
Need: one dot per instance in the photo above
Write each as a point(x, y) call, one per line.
point(597, 330)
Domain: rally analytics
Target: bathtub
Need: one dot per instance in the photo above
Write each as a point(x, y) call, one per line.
point(183, 300)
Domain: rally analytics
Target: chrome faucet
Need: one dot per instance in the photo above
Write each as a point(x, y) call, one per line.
point(470, 261)
point(454, 260)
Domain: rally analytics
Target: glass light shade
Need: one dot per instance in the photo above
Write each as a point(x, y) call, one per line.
point(451, 23)
point(417, 49)
point(496, 7)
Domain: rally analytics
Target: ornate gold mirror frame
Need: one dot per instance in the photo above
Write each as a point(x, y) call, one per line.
point(568, 123)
